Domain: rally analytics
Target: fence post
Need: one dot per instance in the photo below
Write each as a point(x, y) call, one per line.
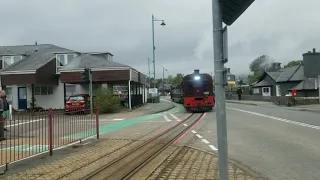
point(97, 122)
point(2, 123)
point(50, 132)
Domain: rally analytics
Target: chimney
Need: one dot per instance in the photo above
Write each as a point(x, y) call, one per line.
point(314, 50)
point(196, 71)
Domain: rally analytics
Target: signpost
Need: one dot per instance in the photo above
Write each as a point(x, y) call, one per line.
point(87, 77)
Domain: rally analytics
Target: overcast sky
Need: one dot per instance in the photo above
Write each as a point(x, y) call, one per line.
point(281, 29)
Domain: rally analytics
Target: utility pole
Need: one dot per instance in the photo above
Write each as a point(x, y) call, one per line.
point(220, 80)
point(87, 77)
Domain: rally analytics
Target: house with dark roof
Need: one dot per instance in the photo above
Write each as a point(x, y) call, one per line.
point(277, 81)
point(44, 75)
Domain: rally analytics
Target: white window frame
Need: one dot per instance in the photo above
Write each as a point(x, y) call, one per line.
point(66, 60)
point(11, 60)
point(49, 90)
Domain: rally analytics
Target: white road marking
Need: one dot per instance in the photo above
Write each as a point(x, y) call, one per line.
point(31, 121)
point(213, 148)
point(199, 136)
point(205, 141)
point(118, 119)
point(175, 117)
point(185, 124)
point(193, 131)
point(277, 118)
point(166, 118)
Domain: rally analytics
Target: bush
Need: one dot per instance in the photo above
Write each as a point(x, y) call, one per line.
point(106, 100)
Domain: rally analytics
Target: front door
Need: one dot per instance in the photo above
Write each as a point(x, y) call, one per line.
point(266, 91)
point(22, 98)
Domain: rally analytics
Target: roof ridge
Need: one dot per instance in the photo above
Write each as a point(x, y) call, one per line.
point(295, 71)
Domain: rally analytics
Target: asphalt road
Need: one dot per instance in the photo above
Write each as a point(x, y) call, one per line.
point(279, 143)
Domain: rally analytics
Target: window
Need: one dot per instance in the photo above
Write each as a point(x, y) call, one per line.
point(63, 59)
point(256, 90)
point(76, 98)
point(8, 60)
point(43, 90)
point(265, 90)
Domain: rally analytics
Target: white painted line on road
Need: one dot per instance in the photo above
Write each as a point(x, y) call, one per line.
point(213, 148)
point(175, 117)
point(16, 124)
point(205, 141)
point(118, 119)
point(193, 131)
point(277, 118)
point(185, 124)
point(199, 136)
point(166, 118)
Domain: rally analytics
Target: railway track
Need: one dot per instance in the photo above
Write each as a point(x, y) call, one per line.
point(127, 165)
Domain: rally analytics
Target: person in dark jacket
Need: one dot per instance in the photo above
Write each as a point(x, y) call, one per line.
point(239, 92)
point(5, 113)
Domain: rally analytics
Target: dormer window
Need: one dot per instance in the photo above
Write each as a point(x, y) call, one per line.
point(63, 59)
point(7, 61)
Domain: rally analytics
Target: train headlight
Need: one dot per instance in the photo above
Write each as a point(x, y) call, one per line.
point(196, 77)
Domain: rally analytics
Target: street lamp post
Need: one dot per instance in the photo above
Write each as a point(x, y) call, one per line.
point(153, 47)
point(163, 69)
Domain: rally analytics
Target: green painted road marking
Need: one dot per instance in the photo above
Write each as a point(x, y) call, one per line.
point(117, 125)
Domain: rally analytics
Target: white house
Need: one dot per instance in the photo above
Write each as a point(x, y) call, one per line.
point(29, 71)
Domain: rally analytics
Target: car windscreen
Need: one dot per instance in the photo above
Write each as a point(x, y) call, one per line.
point(76, 98)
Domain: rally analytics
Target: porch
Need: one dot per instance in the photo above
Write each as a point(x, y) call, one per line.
point(132, 81)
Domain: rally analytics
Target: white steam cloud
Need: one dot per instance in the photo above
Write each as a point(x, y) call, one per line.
point(205, 44)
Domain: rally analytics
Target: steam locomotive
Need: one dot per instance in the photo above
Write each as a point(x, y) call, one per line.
point(195, 92)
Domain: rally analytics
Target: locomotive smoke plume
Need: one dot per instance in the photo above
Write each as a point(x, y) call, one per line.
point(204, 44)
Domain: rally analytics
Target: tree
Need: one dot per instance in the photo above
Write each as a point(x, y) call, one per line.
point(177, 79)
point(106, 100)
point(294, 63)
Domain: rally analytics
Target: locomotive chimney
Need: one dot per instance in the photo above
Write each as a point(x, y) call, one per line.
point(196, 71)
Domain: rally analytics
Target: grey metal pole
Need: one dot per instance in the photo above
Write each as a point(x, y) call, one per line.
point(91, 92)
point(149, 71)
point(220, 91)
point(153, 54)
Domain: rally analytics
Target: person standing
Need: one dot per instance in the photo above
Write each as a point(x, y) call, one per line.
point(239, 92)
point(5, 113)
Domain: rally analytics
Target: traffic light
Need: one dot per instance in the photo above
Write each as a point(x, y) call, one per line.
point(86, 75)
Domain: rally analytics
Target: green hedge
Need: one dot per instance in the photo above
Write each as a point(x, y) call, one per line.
point(106, 100)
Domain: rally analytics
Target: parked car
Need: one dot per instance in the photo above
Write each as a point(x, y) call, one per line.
point(78, 102)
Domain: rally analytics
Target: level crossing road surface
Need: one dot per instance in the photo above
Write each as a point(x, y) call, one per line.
point(280, 143)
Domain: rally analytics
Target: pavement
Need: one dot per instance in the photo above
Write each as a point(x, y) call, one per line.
point(309, 108)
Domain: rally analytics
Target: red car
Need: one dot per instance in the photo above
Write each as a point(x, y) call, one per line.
point(78, 102)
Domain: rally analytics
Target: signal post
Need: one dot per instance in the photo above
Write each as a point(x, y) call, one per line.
point(87, 77)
